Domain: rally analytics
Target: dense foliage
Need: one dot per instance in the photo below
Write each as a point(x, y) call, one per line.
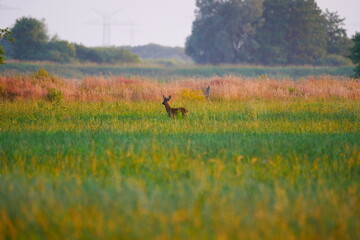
point(158, 52)
point(6, 34)
point(266, 32)
point(223, 31)
point(355, 54)
point(109, 55)
point(337, 42)
point(31, 39)
point(33, 43)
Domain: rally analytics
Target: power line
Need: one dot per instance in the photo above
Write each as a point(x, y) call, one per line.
point(106, 22)
point(132, 31)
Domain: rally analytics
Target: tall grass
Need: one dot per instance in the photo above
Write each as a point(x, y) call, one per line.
point(259, 168)
point(37, 86)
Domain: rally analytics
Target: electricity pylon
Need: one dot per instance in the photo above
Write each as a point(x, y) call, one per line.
point(132, 31)
point(106, 22)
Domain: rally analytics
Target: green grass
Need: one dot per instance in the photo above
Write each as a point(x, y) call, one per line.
point(168, 73)
point(230, 170)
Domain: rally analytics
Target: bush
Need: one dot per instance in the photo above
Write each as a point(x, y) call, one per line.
point(44, 78)
point(101, 55)
point(54, 95)
point(41, 74)
point(333, 60)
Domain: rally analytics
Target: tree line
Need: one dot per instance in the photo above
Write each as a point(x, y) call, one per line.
point(267, 32)
point(33, 43)
point(155, 52)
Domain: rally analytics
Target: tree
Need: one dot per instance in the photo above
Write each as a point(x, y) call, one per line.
point(224, 30)
point(157, 52)
point(355, 54)
point(294, 32)
point(337, 40)
point(60, 51)
point(85, 54)
point(6, 34)
point(306, 32)
point(115, 55)
point(271, 37)
point(33, 44)
point(259, 31)
point(100, 55)
point(31, 38)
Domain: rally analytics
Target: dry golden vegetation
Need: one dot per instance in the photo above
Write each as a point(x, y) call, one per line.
point(38, 85)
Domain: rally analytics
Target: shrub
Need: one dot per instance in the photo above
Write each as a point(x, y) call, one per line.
point(54, 95)
point(43, 78)
point(41, 74)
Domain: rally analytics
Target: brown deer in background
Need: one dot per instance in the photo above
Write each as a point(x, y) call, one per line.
point(173, 111)
point(207, 92)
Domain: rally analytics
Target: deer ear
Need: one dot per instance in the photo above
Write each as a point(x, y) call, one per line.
point(169, 97)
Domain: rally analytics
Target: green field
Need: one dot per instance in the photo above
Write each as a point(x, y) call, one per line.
point(254, 169)
point(174, 71)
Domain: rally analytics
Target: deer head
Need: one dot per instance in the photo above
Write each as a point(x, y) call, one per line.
point(166, 99)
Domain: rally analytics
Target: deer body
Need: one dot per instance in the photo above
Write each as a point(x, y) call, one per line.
point(172, 112)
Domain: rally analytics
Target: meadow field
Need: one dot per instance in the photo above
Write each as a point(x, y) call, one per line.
point(98, 158)
point(170, 71)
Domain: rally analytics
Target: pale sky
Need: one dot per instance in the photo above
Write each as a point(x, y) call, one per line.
point(134, 22)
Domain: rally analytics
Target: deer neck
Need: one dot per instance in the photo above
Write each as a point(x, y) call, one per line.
point(167, 107)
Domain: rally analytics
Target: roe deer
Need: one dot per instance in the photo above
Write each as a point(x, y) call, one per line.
point(207, 92)
point(173, 111)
